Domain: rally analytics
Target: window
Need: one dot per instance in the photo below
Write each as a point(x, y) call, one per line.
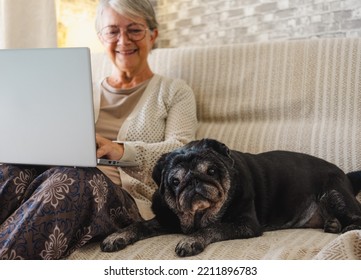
point(76, 26)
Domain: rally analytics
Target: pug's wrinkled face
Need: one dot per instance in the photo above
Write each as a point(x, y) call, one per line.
point(195, 187)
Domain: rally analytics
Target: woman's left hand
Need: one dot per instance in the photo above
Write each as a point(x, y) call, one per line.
point(108, 149)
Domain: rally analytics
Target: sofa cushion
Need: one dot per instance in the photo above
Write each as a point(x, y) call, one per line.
point(302, 96)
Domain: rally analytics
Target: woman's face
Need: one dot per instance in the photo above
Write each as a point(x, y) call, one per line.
point(127, 55)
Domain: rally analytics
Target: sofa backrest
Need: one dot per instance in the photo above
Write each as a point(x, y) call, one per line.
point(292, 95)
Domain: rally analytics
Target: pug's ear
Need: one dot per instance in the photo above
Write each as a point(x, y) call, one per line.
point(157, 173)
point(161, 185)
point(217, 146)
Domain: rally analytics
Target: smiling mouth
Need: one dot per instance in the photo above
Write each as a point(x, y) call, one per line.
point(127, 52)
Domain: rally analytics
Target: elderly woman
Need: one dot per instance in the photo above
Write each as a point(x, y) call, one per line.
point(49, 213)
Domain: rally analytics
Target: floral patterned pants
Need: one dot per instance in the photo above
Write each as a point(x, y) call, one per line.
point(49, 213)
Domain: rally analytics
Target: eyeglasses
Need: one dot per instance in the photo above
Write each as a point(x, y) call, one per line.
point(112, 33)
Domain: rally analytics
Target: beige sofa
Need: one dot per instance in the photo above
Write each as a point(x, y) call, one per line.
point(291, 95)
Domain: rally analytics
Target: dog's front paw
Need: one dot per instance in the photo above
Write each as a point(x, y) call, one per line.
point(189, 247)
point(332, 226)
point(115, 242)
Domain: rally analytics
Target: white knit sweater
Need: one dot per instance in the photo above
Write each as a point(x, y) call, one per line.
point(164, 119)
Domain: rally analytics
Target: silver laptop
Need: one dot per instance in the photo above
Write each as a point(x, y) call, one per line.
point(46, 108)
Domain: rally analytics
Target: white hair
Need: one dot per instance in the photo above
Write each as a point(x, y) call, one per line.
point(128, 8)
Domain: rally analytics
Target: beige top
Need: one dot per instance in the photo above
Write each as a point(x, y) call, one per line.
point(115, 107)
point(163, 119)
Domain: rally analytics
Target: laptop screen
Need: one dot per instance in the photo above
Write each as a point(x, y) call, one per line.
point(46, 107)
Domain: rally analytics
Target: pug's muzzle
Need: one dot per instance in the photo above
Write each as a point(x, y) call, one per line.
point(196, 196)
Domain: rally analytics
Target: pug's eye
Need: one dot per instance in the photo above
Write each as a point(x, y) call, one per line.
point(175, 182)
point(211, 171)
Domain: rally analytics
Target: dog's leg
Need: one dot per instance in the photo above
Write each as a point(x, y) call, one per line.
point(130, 234)
point(196, 242)
point(340, 212)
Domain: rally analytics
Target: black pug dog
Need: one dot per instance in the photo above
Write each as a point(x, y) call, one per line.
point(212, 193)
